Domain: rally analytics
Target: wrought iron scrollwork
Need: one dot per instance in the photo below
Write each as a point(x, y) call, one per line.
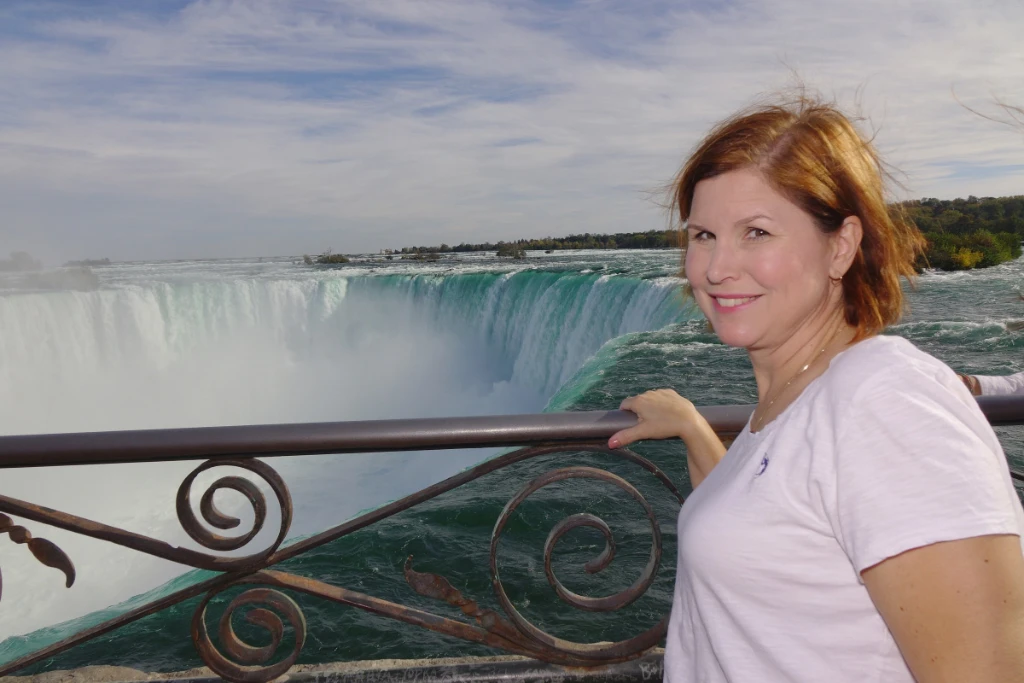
point(43, 550)
point(589, 651)
point(245, 663)
point(210, 513)
point(272, 609)
point(536, 641)
point(217, 519)
point(605, 604)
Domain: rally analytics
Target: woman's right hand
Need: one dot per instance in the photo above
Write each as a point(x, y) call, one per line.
point(661, 414)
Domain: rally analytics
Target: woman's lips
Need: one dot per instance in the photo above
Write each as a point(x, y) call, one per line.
point(733, 303)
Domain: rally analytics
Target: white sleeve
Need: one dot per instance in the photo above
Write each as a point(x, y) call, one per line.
point(1001, 385)
point(916, 465)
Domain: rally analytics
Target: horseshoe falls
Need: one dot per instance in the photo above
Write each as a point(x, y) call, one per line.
point(162, 345)
point(247, 341)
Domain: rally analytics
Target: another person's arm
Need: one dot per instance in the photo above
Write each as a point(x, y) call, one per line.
point(994, 385)
point(1001, 385)
point(664, 414)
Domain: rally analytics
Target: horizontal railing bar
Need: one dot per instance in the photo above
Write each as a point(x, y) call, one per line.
point(154, 445)
point(151, 445)
point(1003, 411)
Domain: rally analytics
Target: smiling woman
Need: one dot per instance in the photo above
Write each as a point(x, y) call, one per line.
point(864, 526)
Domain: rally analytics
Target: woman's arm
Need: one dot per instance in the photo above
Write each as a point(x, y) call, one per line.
point(956, 609)
point(664, 414)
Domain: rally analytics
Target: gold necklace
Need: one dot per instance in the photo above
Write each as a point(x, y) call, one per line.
point(819, 354)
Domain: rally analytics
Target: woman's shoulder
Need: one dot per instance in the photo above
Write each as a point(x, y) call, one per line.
point(887, 363)
point(887, 380)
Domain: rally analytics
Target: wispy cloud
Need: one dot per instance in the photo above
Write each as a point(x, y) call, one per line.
point(210, 128)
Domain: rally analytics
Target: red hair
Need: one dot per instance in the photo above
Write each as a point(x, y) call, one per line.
point(813, 155)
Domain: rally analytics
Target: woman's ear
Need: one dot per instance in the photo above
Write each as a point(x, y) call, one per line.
point(845, 245)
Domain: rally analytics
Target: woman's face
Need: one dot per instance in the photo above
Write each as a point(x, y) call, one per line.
point(757, 263)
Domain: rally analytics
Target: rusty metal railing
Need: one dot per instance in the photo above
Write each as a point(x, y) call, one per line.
point(534, 435)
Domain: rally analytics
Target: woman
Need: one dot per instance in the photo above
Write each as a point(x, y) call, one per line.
point(863, 526)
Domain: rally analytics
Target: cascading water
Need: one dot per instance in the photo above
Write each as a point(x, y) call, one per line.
point(181, 345)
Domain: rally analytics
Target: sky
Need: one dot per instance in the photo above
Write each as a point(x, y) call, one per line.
point(212, 128)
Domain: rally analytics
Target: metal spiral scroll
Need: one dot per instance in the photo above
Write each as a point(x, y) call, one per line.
point(596, 652)
point(247, 663)
point(217, 519)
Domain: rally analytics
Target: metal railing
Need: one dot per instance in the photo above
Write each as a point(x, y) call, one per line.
point(534, 435)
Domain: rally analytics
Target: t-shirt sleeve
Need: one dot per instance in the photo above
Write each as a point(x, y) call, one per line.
point(916, 464)
point(1001, 385)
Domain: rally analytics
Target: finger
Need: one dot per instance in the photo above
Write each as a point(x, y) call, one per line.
point(623, 438)
point(627, 403)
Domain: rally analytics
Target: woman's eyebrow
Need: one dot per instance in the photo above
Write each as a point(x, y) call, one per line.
point(754, 217)
point(695, 226)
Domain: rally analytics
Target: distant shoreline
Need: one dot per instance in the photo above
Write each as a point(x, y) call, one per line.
point(962, 234)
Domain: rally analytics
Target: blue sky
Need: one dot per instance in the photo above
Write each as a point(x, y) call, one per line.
point(139, 130)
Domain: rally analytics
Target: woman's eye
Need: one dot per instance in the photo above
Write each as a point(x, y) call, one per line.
point(758, 233)
point(702, 236)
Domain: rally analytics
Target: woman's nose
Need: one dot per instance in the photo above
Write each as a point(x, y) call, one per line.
point(722, 263)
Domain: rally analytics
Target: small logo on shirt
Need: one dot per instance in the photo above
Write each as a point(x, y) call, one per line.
point(763, 467)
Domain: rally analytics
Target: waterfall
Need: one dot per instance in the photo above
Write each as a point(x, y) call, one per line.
point(217, 345)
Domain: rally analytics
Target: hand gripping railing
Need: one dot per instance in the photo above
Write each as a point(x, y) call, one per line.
point(535, 435)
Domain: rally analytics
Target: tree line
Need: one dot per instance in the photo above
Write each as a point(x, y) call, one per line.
point(651, 239)
point(961, 233)
point(969, 233)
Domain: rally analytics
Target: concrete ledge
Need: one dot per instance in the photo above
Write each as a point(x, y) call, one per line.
point(501, 669)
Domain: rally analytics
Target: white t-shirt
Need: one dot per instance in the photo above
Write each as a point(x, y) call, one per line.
point(884, 452)
point(1001, 385)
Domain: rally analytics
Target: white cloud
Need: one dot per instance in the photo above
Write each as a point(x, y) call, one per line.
point(274, 127)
